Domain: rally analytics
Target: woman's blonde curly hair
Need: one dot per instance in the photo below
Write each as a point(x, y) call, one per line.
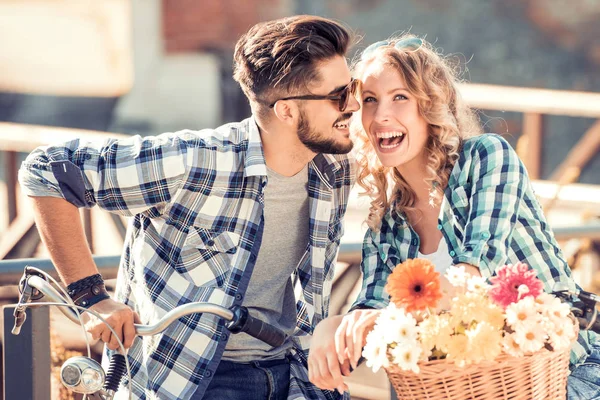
point(433, 82)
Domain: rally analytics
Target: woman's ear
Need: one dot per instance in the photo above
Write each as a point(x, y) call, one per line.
point(287, 112)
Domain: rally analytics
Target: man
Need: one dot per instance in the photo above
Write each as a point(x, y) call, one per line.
point(247, 214)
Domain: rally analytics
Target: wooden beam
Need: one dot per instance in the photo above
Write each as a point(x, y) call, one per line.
point(21, 239)
point(532, 132)
point(575, 194)
point(11, 184)
point(118, 223)
point(533, 100)
point(587, 147)
point(25, 138)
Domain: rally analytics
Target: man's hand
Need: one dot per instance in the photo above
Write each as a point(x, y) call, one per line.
point(324, 369)
point(119, 316)
point(351, 334)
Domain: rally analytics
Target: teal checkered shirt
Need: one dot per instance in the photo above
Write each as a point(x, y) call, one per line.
point(489, 217)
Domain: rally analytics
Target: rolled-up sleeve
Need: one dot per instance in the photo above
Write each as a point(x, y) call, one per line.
point(124, 176)
point(498, 180)
point(375, 273)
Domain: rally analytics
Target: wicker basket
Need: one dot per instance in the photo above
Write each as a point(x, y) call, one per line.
point(541, 376)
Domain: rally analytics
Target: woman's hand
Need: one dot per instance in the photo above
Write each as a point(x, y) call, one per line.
point(449, 291)
point(324, 370)
point(351, 334)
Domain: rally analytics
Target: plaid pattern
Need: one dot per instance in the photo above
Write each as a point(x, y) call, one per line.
point(196, 201)
point(489, 217)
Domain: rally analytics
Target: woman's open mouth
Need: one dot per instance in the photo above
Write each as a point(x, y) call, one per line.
point(389, 140)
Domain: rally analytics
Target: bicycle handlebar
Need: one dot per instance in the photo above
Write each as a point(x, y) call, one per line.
point(238, 319)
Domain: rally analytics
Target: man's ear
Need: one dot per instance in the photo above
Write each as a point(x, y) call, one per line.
point(287, 112)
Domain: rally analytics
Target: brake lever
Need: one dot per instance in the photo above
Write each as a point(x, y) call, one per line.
point(28, 294)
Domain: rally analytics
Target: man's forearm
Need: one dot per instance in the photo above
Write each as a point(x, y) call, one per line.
point(61, 230)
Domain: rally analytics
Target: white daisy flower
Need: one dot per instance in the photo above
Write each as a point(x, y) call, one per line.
point(530, 337)
point(544, 300)
point(456, 276)
point(477, 284)
point(556, 310)
point(407, 355)
point(375, 351)
point(562, 336)
point(521, 313)
point(510, 345)
point(397, 326)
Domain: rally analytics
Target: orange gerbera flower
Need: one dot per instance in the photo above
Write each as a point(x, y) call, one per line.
point(414, 285)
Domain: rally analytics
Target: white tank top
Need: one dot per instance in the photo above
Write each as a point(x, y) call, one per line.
point(440, 258)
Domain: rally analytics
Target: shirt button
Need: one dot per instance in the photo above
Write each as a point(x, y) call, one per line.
point(452, 253)
point(238, 296)
point(207, 373)
point(224, 336)
point(210, 242)
point(485, 235)
point(439, 227)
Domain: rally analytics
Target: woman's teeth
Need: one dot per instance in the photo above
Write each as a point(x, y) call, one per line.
point(389, 135)
point(341, 125)
point(389, 140)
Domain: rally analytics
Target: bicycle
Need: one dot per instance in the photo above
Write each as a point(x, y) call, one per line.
point(84, 375)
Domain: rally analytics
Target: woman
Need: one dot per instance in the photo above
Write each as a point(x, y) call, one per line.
point(440, 190)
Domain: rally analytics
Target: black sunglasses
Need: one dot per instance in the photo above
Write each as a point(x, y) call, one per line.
point(341, 97)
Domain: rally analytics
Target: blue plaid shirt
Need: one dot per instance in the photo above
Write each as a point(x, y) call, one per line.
point(196, 198)
point(489, 217)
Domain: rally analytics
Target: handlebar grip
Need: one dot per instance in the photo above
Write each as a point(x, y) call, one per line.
point(595, 326)
point(244, 322)
point(591, 320)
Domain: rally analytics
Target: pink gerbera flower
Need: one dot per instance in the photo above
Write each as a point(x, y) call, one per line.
point(514, 282)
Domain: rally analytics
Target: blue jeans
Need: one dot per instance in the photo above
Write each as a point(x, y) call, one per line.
point(260, 380)
point(584, 381)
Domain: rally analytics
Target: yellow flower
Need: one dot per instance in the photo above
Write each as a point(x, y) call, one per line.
point(458, 349)
point(463, 308)
point(434, 332)
point(485, 342)
point(474, 307)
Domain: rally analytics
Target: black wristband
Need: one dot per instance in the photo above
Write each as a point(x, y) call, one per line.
point(88, 291)
point(84, 284)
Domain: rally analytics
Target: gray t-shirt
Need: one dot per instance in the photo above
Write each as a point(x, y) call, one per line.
point(270, 293)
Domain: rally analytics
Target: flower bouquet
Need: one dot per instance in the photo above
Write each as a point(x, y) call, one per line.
point(507, 340)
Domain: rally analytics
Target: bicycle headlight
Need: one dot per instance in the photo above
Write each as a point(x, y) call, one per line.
point(70, 375)
point(82, 375)
point(92, 379)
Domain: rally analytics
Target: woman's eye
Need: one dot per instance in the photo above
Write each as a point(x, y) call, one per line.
point(368, 99)
point(400, 97)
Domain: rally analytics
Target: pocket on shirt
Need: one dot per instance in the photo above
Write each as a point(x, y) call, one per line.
point(207, 255)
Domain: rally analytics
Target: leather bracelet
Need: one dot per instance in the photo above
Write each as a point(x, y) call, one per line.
point(91, 296)
point(88, 291)
point(84, 284)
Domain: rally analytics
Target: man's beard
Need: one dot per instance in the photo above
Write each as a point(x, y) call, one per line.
point(319, 144)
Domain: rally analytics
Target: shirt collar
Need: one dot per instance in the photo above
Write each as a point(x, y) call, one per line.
point(327, 164)
point(254, 164)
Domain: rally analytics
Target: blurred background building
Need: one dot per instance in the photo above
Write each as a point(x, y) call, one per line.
point(151, 66)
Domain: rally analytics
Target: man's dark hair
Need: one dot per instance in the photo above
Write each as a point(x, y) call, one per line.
point(280, 57)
